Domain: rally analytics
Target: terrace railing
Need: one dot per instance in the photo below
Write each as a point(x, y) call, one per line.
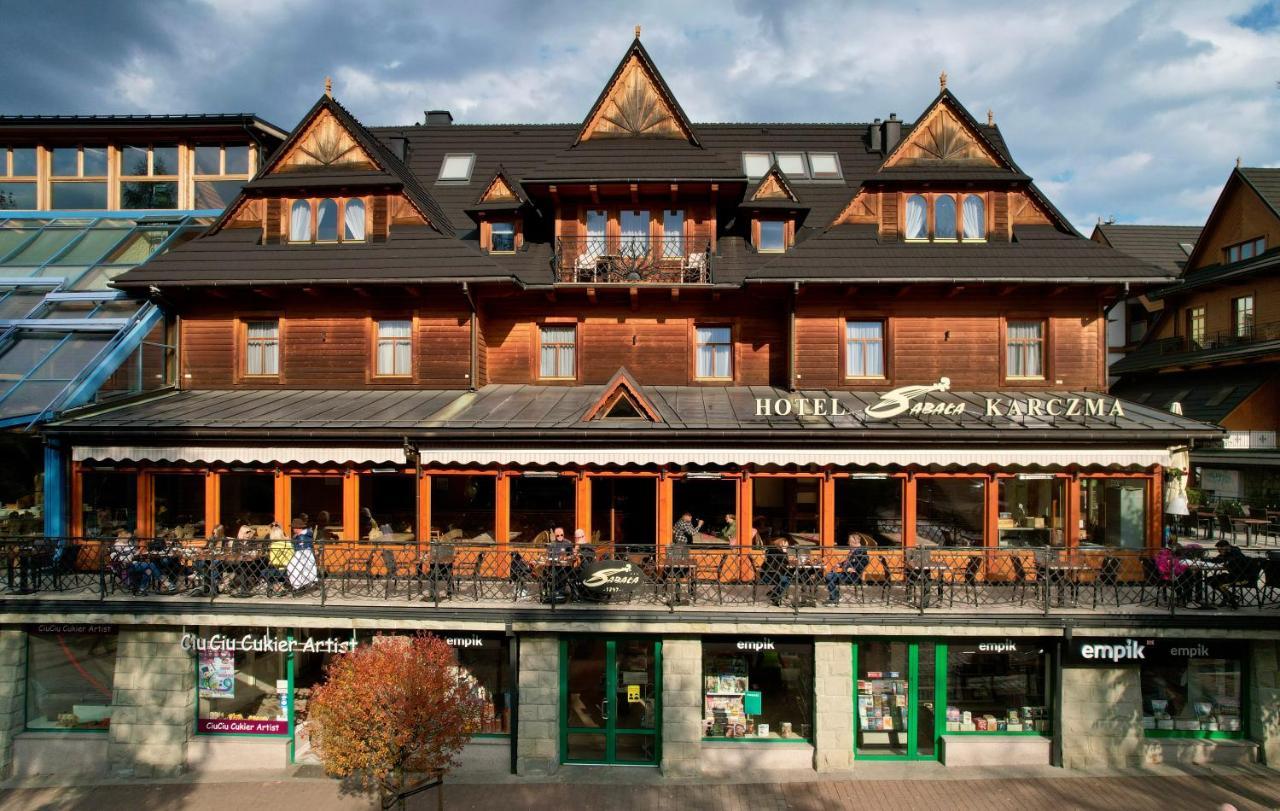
point(972, 579)
point(632, 260)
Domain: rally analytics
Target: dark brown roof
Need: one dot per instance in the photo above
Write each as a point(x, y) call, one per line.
point(185, 121)
point(1208, 395)
point(1158, 245)
point(637, 159)
point(1266, 182)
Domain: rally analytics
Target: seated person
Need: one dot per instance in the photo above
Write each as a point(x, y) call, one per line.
point(1237, 569)
point(848, 571)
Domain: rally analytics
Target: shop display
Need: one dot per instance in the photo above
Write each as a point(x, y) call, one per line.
point(70, 678)
point(883, 705)
point(757, 690)
point(1192, 695)
point(997, 687)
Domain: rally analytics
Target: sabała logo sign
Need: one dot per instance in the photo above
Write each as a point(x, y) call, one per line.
point(608, 577)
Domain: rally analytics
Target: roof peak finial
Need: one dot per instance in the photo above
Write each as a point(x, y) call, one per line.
point(942, 80)
point(991, 117)
point(1237, 161)
point(637, 31)
point(328, 86)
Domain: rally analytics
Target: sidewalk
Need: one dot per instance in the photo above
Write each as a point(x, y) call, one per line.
point(643, 790)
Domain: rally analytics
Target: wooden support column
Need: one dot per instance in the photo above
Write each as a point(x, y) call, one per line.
point(1155, 509)
point(502, 508)
point(77, 500)
point(827, 511)
point(350, 505)
point(746, 510)
point(1071, 512)
point(424, 508)
point(213, 503)
point(582, 513)
point(665, 506)
point(283, 494)
point(991, 512)
point(909, 510)
point(145, 523)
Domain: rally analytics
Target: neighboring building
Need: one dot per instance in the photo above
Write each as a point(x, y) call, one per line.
point(1215, 347)
point(1164, 246)
point(434, 344)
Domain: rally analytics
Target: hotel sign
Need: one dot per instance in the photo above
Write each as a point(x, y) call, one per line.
point(915, 401)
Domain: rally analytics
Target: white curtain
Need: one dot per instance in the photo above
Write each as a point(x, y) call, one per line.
point(556, 355)
point(715, 352)
point(944, 217)
point(673, 234)
point(264, 348)
point(1024, 349)
point(300, 222)
point(975, 217)
point(327, 221)
point(864, 344)
point(394, 344)
point(916, 213)
point(354, 220)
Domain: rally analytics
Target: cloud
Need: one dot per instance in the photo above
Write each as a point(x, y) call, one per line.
point(1132, 109)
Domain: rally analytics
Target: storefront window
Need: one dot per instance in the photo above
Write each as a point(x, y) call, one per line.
point(1113, 512)
point(1031, 510)
point(110, 503)
point(462, 507)
point(711, 501)
point(179, 504)
point(997, 687)
point(247, 499)
point(895, 687)
point(317, 500)
point(757, 689)
point(540, 504)
point(70, 677)
point(949, 512)
point(1196, 695)
point(240, 690)
point(788, 507)
point(388, 501)
point(624, 509)
point(870, 507)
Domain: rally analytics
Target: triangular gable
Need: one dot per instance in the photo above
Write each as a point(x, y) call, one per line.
point(324, 143)
point(636, 102)
point(1237, 181)
point(622, 399)
point(773, 186)
point(946, 134)
point(501, 190)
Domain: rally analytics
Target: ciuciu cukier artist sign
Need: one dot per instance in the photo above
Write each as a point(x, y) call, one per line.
point(914, 401)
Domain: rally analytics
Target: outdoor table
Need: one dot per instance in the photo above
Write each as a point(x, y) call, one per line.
point(925, 573)
point(1066, 574)
point(1250, 524)
point(557, 576)
point(1207, 520)
point(1199, 570)
point(806, 576)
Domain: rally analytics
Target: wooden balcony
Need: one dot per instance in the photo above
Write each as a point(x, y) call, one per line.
point(632, 260)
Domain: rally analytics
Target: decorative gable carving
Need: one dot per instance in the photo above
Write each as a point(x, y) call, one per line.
point(325, 144)
point(772, 188)
point(499, 190)
point(622, 399)
point(863, 209)
point(942, 137)
point(1023, 210)
point(636, 103)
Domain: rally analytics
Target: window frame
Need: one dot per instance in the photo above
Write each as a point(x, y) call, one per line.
point(845, 355)
point(7, 163)
point(375, 332)
point(768, 158)
point(1043, 343)
point(758, 234)
point(286, 213)
point(539, 344)
point(732, 343)
point(444, 161)
point(515, 230)
point(958, 196)
point(803, 174)
point(1251, 313)
point(242, 346)
point(1257, 245)
point(814, 174)
point(80, 178)
point(962, 235)
point(1197, 320)
point(956, 215)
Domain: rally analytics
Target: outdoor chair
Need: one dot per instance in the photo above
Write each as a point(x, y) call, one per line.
point(716, 580)
point(1151, 579)
point(969, 580)
point(436, 569)
point(1022, 582)
point(1108, 576)
point(469, 569)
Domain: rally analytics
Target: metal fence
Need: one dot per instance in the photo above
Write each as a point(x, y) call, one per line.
point(920, 579)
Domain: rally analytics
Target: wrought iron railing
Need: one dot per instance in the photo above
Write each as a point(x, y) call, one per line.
point(1044, 580)
point(1250, 333)
point(632, 260)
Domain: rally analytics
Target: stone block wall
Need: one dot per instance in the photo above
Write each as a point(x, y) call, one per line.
point(833, 697)
point(1101, 717)
point(1264, 700)
point(154, 704)
point(538, 748)
point(681, 706)
point(13, 693)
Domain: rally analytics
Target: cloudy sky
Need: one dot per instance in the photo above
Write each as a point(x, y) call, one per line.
point(1132, 110)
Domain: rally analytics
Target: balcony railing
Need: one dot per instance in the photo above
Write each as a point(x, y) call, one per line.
point(1222, 339)
point(632, 260)
point(1036, 580)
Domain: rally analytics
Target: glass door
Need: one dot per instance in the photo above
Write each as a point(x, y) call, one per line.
point(611, 694)
point(895, 697)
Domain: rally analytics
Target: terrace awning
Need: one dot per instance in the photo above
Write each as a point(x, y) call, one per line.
point(262, 455)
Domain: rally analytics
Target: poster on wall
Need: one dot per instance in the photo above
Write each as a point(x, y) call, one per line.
point(217, 674)
point(1222, 483)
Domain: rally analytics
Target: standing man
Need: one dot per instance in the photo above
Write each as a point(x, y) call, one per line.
point(686, 530)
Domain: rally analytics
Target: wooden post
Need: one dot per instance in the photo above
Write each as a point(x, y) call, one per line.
point(909, 511)
point(665, 506)
point(283, 494)
point(145, 523)
point(1071, 512)
point(1155, 508)
point(827, 511)
point(213, 503)
point(746, 509)
point(582, 497)
point(991, 512)
point(77, 500)
point(424, 508)
point(502, 508)
point(350, 505)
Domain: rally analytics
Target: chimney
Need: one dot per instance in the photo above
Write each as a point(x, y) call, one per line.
point(892, 133)
point(439, 118)
point(400, 147)
point(873, 136)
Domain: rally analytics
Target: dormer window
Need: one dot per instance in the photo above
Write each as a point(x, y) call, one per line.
point(502, 237)
point(1246, 250)
point(772, 237)
point(935, 217)
point(327, 220)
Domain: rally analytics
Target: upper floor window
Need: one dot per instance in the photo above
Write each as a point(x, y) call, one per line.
point(1025, 349)
point(714, 353)
point(1247, 249)
point(149, 176)
point(327, 220)
point(635, 232)
point(85, 170)
point(864, 349)
point(792, 164)
point(1242, 316)
point(17, 163)
point(795, 165)
point(1195, 326)
point(773, 236)
point(220, 171)
point(456, 167)
point(502, 237)
point(756, 164)
point(262, 348)
point(936, 217)
point(394, 348)
point(673, 233)
point(557, 346)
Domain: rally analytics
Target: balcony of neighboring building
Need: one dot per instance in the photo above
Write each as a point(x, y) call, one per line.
point(631, 260)
point(1247, 341)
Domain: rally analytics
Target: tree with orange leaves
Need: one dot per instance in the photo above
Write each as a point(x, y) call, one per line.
point(397, 707)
